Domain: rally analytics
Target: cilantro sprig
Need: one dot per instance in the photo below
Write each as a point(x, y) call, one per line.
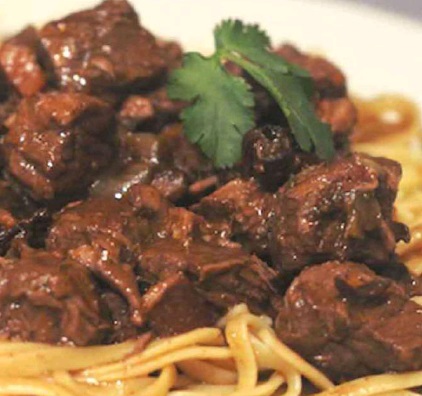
point(221, 109)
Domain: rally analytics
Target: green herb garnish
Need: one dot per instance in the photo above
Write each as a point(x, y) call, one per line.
point(221, 104)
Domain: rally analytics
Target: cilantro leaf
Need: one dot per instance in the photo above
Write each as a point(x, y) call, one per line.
point(245, 45)
point(227, 35)
point(290, 95)
point(253, 43)
point(221, 104)
point(221, 111)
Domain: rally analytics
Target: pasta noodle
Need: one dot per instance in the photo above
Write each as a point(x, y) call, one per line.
point(242, 355)
point(251, 344)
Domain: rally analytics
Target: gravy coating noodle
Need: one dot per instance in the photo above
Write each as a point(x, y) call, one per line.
point(241, 356)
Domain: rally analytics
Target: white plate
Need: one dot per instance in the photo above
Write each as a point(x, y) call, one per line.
point(380, 52)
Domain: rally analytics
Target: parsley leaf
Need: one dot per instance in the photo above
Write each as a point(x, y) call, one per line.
point(221, 104)
point(221, 111)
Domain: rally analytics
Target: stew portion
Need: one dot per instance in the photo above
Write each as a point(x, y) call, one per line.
point(113, 224)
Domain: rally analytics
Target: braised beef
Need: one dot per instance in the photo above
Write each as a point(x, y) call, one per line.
point(172, 183)
point(13, 201)
point(33, 229)
point(102, 234)
point(137, 160)
point(167, 161)
point(142, 239)
point(350, 322)
point(338, 211)
point(240, 210)
point(172, 52)
point(84, 115)
point(21, 59)
point(102, 49)
point(118, 312)
point(57, 143)
point(271, 156)
point(341, 114)
point(328, 78)
point(20, 216)
point(136, 111)
point(149, 112)
point(223, 272)
point(9, 100)
point(224, 275)
point(181, 309)
point(178, 152)
point(46, 298)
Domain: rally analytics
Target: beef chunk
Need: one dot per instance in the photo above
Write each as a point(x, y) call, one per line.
point(9, 100)
point(181, 309)
point(19, 216)
point(329, 80)
point(14, 201)
point(350, 322)
point(44, 298)
point(176, 151)
point(172, 183)
point(58, 142)
point(225, 276)
point(20, 58)
point(172, 53)
point(138, 158)
point(32, 229)
point(167, 161)
point(7, 109)
point(182, 168)
point(102, 235)
point(338, 211)
point(240, 210)
point(149, 112)
point(147, 250)
point(102, 49)
point(341, 114)
point(135, 111)
point(105, 235)
point(118, 312)
point(271, 156)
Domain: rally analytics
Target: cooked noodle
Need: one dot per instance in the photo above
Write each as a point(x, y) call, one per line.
point(242, 356)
